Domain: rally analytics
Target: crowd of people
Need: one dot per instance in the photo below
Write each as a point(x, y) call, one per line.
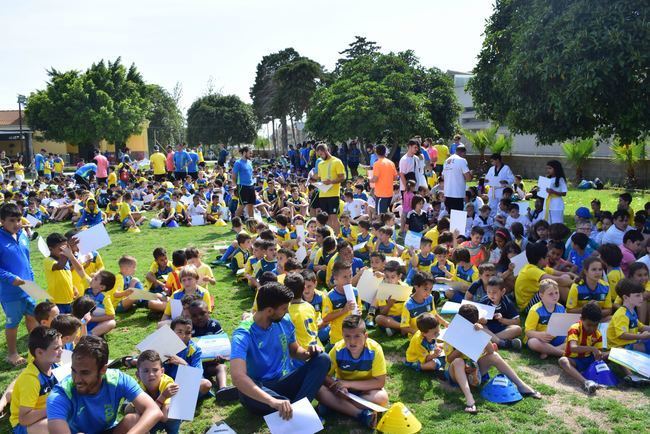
point(306, 228)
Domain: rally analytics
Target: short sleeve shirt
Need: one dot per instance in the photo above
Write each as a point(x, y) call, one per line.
point(370, 364)
point(330, 169)
point(527, 284)
point(454, 173)
point(244, 171)
point(385, 171)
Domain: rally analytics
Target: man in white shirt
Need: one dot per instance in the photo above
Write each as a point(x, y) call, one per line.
point(614, 234)
point(456, 174)
point(408, 164)
point(498, 177)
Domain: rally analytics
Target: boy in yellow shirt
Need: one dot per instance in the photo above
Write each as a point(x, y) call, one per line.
point(419, 303)
point(335, 306)
point(423, 354)
point(537, 320)
point(302, 313)
point(390, 311)
point(625, 330)
point(58, 273)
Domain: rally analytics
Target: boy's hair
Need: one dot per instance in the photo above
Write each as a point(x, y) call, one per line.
point(469, 312)
point(379, 255)
point(10, 210)
point(365, 224)
point(127, 260)
point(421, 277)
point(191, 253)
point(496, 281)
point(41, 337)
point(636, 266)
point(54, 239)
point(322, 218)
point(579, 239)
point(281, 219)
point(178, 258)
point(180, 320)
point(394, 267)
point(513, 206)
point(286, 252)
point(340, 266)
point(558, 231)
point(242, 237)
point(627, 287)
point(267, 277)
point(445, 237)
point(535, 252)
point(329, 244)
point(440, 250)
point(546, 284)
point(627, 197)
point(478, 231)
point(81, 307)
point(517, 230)
point(42, 310)
point(426, 322)
point(620, 214)
point(199, 304)
point(592, 312)
point(273, 295)
point(485, 267)
point(386, 230)
point(236, 222)
point(188, 299)
point(267, 235)
point(353, 322)
point(92, 347)
point(159, 252)
point(386, 217)
point(71, 233)
point(424, 241)
point(296, 283)
point(149, 356)
point(611, 254)
point(462, 255)
point(188, 271)
point(106, 279)
point(633, 236)
point(292, 264)
point(308, 275)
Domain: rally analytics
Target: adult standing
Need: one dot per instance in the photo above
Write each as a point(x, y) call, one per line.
point(5, 164)
point(456, 173)
point(443, 153)
point(554, 203)
point(498, 177)
point(199, 152)
point(181, 160)
point(102, 167)
point(330, 171)
point(242, 176)
point(431, 150)
point(84, 174)
point(223, 155)
point(15, 269)
point(384, 175)
point(305, 157)
point(372, 155)
point(39, 163)
point(169, 162)
point(88, 400)
point(158, 164)
point(408, 165)
point(260, 359)
point(193, 164)
point(354, 158)
point(455, 144)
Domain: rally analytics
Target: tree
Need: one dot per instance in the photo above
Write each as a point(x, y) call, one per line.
point(628, 154)
point(577, 152)
point(221, 119)
point(502, 144)
point(165, 118)
point(107, 101)
point(360, 47)
point(565, 69)
point(482, 140)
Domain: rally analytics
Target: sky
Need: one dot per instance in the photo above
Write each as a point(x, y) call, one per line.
point(196, 42)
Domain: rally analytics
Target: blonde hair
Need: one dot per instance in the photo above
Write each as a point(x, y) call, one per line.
point(547, 284)
point(189, 271)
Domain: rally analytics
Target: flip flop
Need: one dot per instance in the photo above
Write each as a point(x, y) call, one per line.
point(471, 409)
point(19, 361)
point(534, 394)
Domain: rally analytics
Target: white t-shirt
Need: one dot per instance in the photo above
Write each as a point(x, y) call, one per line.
point(454, 174)
point(195, 210)
point(407, 165)
point(645, 260)
point(557, 202)
point(355, 208)
point(614, 235)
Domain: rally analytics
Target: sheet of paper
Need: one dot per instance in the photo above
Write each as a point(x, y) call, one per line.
point(187, 200)
point(34, 291)
point(93, 238)
point(66, 357)
point(458, 221)
point(301, 253)
point(164, 341)
point(305, 420)
point(368, 285)
point(543, 183)
point(55, 204)
point(440, 287)
point(220, 428)
point(523, 207)
point(300, 232)
point(349, 296)
point(177, 308)
point(141, 294)
point(412, 239)
point(138, 204)
point(77, 208)
point(322, 187)
point(396, 259)
point(450, 308)
point(441, 336)
point(634, 360)
point(42, 247)
point(214, 345)
point(359, 246)
point(520, 260)
point(198, 220)
point(273, 229)
point(183, 404)
point(33, 221)
point(62, 371)
point(602, 327)
point(147, 198)
point(155, 223)
point(394, 291)
point(461, 335)
point(368, 404)
point(484, 311)
point(559, 323)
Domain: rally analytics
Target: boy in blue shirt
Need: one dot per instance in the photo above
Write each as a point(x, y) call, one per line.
point(505, 326)
point(191, 355)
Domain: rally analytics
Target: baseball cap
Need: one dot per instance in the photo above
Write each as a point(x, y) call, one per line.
point(583, 213)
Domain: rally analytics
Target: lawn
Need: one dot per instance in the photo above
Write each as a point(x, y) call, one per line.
point(438, 406)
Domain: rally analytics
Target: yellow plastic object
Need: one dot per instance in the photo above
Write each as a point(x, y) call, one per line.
point(399, 420)
point(134, 230)
point(220, 223)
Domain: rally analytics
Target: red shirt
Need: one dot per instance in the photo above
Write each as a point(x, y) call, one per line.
point(169, 163)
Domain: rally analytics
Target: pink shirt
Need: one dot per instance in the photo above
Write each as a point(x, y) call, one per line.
point(433, 154)
point(407, 200)
point(628, 258)
point(102, 166)
point(169, 163)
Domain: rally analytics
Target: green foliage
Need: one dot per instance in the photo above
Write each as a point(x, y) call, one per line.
point(360, 47)
point(221, 119)
point(502, 144)
point(165, 117)
point(261, 143)
point(628, 154)
point(483, 139)
point(108, 101)
point(378, 96)
point(577, 152)
point(564, 69)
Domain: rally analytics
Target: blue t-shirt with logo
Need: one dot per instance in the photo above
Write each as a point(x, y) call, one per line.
point(244, 171)
point(84, 171)
point(14, 262)
point(181, 159)
point(39, 162)
point(193, 164)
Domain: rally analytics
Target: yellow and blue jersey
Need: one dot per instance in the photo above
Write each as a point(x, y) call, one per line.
point(370, 364)
point(623, 321)
point(334, 301)
point(468, 275)
point(437, 269)
point(178, 295)
point(412, 309)
point(424, 263)
point(304, 318)
point(31, 390)
point(538, 317)
point(191, 354)
point(419, 348)
point(238, 260)
point(580, 294)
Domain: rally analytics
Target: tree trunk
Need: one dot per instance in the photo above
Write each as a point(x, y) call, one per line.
point(275, 139)
point(293, 130)
point(285, 138)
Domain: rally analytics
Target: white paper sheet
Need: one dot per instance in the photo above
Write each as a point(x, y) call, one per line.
point(602, 327)
point(66, 357)
point(35, 291)
point(520, 260)
point(220, 428)
point(322, 187)
point(368, 404)
point(33, 221)
point(458, 221)
point(359, 246)
point(559, 323)
point(93, 238)
point(147, 198)
point(187, 200)
point(300, 232)
point(301, 254)
point(62, 371)
point(177, 308)
point(461, 335)
point(543, 183)
point(394, 291)
point(305, 420)
point(183, 404)
point(412, 239)
point(141, 294)
point(368, 285)
point(349, 296)
point(449, 308)
point(484, 311)
point(155, 223)
point(164, 341)
point(214, 345)
point(42, 247)
point(396, 259)
point(138, 204)
point(523, 207)
point(198, 220)
point(634, 360)
point(440, 287)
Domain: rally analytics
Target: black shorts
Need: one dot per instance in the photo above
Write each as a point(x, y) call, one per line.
point(160, 178)
point(330, 205)
point(383, 204)
point(194, 175)
point(40, 173)
point(180, 176)
point(457, 203)
point(246, 194)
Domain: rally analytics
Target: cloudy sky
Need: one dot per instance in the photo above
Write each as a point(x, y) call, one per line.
point(196, 42)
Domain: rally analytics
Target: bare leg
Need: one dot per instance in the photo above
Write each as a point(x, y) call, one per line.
point(126, 423)
point(333, 222)
point(494, 359)
point(343, 406)
point(457, 373)
point(103, 327)
point(377, 396)
point(386, 321)
point(6, 397)
point(12, 351)
point(39, 427)
point(510, 332)
point(545, 349)
point(567, 366)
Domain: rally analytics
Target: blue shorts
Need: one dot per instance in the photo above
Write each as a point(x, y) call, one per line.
point(484, 378)
point(457, 297)
point(558, 340)
point(19, 429)
point(124, 222)
point(417, 366)
point(65, 308)
point(397, 318)
point(324, 334)
point(91, 325)
point(582, 363)
point(15, 310)
point(646, 344)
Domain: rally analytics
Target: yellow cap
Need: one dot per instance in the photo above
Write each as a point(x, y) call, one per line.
point(220, 223)
point(399, 420)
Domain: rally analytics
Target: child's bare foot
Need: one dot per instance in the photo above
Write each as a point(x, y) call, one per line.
point(543, 356)
point(471, 408)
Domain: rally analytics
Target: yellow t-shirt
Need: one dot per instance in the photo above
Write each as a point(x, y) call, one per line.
point(59, 282)
point(419, 348)
point(613, 277)
point(345, 367)
point(443, 153)
point(576, 333)
point(411, 309)
point(623, 321)
point(204, 270)
point(124, 210)
point(158, 161)
point(165, 382)
point(303, 317)
point(112, 179)
point(19, 169)
point(330, 169)
point(432, 235)
point(58, 166)
point(31, 390)
point(47, 167)
point(334, 301)
point(178, 295)
point(527, 284)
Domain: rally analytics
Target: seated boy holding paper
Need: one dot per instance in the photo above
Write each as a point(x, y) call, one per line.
point(390, 311)
point(358, 367)
point(419, 303)
point(189, 278)
point(505, 326)
point(423, 353)
point(464, 372)
point(537, 338)
point(336, 307)
point(625, 330)
point(190, 356)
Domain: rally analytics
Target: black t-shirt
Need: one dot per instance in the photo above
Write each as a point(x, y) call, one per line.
point(211, 328)
point(417, 222)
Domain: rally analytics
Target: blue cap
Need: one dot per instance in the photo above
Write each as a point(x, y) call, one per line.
point(600, 373)
point(501, 390)
point(583, 212)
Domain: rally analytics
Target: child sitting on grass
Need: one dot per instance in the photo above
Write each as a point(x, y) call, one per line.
point(102, 320)
point(335, 306)
point(590, 288)
point(189, 280)
point(504, 327)
point(58, 274)
point(423, 354)
point(390, 311)
point(539, 314)
point(419, 303)
point(302, 313)
point(625, 330)
point(190, 355)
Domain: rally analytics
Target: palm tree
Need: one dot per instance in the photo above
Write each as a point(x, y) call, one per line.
point(577, 152)
point(481, 140)
point(628, 154)
point(502, 144)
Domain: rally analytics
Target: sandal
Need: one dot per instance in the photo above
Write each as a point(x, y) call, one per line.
point(471, 409)
point(20, 360)
point(532, 394)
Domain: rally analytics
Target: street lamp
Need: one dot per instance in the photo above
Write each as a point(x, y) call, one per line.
point(22, 100)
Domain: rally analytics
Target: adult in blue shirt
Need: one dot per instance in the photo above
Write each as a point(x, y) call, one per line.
point(84, 173)
point(454, 144)
point(181, 161)
point(260, 359)
point(88, 399)
point(15, 269)
point(242, 176)
point(39, 163)
point(193, 164)
point(305, 156)
point(223, 154)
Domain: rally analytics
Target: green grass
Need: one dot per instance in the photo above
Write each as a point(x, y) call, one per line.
point(436, 405)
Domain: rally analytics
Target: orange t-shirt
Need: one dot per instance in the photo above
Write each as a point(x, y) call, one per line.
point(384, 170)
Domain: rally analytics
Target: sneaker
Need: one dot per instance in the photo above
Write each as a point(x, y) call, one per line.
point(516, 344)
point(226, 394)
point(368, 418)
point(504, 343)
point(370, 322)
point(389, 331)
point(591, 386)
